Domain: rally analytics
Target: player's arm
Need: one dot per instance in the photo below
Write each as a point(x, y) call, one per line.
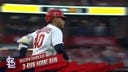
point(57, 40)
point(24, 42)
point(61, 50)
point(22, 49)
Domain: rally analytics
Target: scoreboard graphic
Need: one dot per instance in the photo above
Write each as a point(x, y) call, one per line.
point(68, 10)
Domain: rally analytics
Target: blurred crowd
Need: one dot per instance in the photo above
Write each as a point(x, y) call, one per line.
point(97, 54)
point(87, 26)
point(71, 2)
point(20, 24)
point(84, 26)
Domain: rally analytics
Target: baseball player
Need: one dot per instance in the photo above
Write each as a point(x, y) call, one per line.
point(47, 40)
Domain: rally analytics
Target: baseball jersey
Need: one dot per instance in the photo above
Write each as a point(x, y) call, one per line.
point(44, 40)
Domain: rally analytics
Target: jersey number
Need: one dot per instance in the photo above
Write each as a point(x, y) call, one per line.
point(39, 40)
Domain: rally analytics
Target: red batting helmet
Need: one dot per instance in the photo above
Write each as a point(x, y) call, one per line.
point(54, 13)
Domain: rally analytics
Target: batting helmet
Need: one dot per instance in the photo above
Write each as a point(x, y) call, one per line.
point(54, 13)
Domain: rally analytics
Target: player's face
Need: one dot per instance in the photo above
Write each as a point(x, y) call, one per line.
point(60, 22)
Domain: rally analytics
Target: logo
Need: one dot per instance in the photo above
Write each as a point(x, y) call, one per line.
point(10, 62)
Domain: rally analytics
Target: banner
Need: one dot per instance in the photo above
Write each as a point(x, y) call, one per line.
point(10, 39)
point(74, 41)
point(40, 62)
point(90, 41)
